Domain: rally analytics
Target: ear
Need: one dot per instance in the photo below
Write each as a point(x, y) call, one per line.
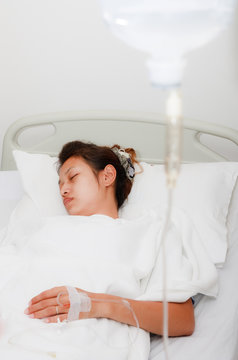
point(109, 175)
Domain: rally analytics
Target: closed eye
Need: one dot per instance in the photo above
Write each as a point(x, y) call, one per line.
point(71, 178)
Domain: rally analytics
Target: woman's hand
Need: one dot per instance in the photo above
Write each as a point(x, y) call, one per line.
point(45, 306)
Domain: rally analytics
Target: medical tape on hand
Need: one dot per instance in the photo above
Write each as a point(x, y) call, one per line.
point(79, 302)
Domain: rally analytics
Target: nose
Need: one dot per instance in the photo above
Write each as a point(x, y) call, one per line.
point(64, 190)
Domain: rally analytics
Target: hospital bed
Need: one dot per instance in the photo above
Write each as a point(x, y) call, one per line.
point(216, 333)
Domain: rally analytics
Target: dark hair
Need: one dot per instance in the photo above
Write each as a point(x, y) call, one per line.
point(98, 157)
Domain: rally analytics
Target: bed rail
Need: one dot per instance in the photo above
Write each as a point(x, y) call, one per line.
point(143, 131)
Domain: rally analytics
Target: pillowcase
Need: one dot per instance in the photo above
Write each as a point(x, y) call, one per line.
point(232, 218)
point(40, 181)
point(11, 192)
point(203, 192)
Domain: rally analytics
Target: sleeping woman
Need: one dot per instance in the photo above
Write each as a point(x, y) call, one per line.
point(94, 182)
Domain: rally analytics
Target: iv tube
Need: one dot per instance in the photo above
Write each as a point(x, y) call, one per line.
point(172, 167)
point(173, 137)
point(165, 302)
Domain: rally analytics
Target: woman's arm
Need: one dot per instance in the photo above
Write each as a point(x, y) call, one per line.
point(149, 313)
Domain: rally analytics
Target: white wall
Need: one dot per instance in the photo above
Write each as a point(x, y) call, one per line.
point(59, 55)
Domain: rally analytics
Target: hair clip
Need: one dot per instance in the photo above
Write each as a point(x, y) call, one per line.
point(125, 161)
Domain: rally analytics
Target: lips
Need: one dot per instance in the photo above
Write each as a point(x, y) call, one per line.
point(67, 201)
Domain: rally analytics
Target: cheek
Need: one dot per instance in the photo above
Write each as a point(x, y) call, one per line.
point(85, 187)
point(82, 189)
point(91, 183)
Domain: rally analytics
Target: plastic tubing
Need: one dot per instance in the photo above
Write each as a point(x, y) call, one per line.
point(173, 137)
point(165, 302)
point(172, 168)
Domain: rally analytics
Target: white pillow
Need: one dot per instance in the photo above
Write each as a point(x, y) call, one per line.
point(232, 218)
point(10, 193)
point(40, 181)
point(203, 192)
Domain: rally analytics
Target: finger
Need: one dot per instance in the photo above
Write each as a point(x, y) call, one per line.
point(51, 293)
point(45, 304)
point(50, 311)
point(40, 305)
point(54, 319)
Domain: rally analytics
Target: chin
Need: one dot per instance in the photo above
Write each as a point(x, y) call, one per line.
point(72, 212)
point(75, 212)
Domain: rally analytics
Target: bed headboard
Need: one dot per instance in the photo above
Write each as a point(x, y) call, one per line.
point(145, 132)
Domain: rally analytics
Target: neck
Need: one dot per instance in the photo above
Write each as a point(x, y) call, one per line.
point(112, 214)
point(109, 209)
point(109, 206)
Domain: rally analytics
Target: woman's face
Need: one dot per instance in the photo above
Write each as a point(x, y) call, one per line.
point(81, 190)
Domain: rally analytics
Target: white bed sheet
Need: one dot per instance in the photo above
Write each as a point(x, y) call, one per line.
point(216, 333)
point(216, 330)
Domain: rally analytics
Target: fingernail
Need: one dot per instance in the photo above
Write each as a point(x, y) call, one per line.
point(30, 302)
point(26, 311)
point(31, 316)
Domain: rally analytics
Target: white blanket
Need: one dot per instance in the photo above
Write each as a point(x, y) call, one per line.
point(96, 254)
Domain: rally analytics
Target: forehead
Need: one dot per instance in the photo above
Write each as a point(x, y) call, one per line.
point(72, 162)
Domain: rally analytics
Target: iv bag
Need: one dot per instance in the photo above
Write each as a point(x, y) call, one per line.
point(167, 30)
